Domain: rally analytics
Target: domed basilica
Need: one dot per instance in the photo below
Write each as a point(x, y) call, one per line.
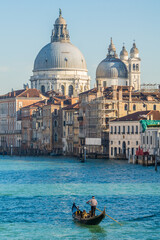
point(60, 66)
point(123, 71)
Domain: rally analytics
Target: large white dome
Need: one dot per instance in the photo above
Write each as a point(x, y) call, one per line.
point(60, 66)
point(59, 55)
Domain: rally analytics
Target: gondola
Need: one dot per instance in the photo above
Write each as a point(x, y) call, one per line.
point(77, 216)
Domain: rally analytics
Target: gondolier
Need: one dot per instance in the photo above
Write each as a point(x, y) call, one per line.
point(93, 202)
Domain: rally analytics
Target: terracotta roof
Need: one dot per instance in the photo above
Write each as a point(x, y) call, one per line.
point(93, 90)
point(73, 106)
point(134, 116)
point(37, 104)
point(12, 94)
point(32, 93)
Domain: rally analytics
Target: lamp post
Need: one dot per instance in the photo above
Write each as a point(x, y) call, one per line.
point(84, 153)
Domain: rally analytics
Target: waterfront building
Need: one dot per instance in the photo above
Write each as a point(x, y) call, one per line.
point(71, 129)
point(123, 71)
point(42, 124)
point(60, 66)
point(27, 116)
point(98, 107)
point(10, 122)
point(125, 133)
point(150, 137)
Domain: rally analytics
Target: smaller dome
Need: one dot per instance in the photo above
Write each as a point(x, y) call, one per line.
point(110, 68)
point(60, 20)
point(134, 49)
point(111, 47)
point(124, 52)
point(113, 72)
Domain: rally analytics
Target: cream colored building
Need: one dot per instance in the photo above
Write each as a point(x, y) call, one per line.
point(60, 66)
point(125, 134)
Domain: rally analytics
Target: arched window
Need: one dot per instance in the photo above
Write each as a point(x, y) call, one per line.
point(70, 90)
point(134, 67)
point(55, 137)
point(62, 89)
point(125, 107)
point(134, 107)
point(137, 67)
point(154, 107)
point(43, 89)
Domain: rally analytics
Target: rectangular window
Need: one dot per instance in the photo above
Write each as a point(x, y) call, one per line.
point(111, 151)
point(128, 130)
point(115, 151)
point(132, 129)
point(132, 151)
point(115, 130)
point(151, 140)
point(119, 150)
point(128, 142)
point(123, 130)
point(111, 130)
point(119, 130)
point(143, 139)
point(136, 142)
point(136, 129)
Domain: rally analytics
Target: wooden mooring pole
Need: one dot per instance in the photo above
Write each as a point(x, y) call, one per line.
point(155, 163)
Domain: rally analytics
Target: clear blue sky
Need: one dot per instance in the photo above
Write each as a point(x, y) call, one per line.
point(26, 26)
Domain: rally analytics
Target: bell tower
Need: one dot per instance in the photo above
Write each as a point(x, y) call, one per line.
point(134, 68)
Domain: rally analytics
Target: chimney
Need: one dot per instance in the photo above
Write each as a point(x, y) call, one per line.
point(114, 88)
point(100, 91)
point(120, 93)
point(14, 93)
point(61, 104)
point(130, 99)
point(130, 93)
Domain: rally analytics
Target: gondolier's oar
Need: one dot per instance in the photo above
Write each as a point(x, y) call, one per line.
point(110, 217)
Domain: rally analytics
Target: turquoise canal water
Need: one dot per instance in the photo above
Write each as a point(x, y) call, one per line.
point(36, 195)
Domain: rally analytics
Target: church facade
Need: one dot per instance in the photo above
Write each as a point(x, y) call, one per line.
point(60, 66)
point(123, 71)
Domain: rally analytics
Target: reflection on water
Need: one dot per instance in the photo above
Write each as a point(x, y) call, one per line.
point(96, 230)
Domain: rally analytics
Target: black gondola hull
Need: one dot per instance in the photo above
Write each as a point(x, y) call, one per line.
point(91, 220)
